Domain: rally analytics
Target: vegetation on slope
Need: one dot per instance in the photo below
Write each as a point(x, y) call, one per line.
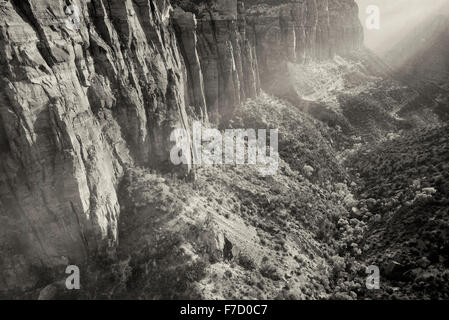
point(308, 232)
point(404, 184)
point(234, 234)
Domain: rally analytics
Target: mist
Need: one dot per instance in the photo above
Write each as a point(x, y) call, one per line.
point(397, 19)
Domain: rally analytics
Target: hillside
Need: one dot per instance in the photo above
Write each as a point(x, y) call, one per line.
point(306, 233)
point(404, 187)
point(233, 234)
point(358, 94)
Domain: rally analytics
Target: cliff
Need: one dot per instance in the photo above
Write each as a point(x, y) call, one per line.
point(78, 105)
point(235, 48)
point(82, 103)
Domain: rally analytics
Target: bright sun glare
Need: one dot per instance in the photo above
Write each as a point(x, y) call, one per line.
point(397, 19)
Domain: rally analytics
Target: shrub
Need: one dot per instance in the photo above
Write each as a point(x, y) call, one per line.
point(246, 262)
point(270, 271)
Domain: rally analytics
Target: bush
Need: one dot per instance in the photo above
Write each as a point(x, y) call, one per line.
point(270, 271)
point(246, 262)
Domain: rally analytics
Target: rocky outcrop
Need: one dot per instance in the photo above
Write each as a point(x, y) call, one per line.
point(186, 24)
point(91, 88)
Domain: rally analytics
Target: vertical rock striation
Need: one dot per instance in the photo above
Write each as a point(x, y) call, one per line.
point(77, 106)
point(298, 32)
point(214, 42)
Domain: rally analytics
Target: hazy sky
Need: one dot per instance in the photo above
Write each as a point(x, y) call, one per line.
point(397, 18)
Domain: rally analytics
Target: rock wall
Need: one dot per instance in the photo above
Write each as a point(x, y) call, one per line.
point(77, 106)
point(80, 103)
point(234, 48)
point(221, 61)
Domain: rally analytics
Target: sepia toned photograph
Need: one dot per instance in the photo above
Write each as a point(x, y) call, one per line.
point(224, 150)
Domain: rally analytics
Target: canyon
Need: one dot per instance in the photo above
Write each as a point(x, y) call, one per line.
point(80, 106)
point(86, 116)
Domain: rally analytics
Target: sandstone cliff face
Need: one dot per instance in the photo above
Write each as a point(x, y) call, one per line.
point(221, 61)
point(78, 106)
point(243, 46)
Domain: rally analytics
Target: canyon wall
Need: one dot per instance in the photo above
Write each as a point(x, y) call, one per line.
point(235, 48)
point(221, 61)
point(82, 101)
point(78, 105)
point(298, 32)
